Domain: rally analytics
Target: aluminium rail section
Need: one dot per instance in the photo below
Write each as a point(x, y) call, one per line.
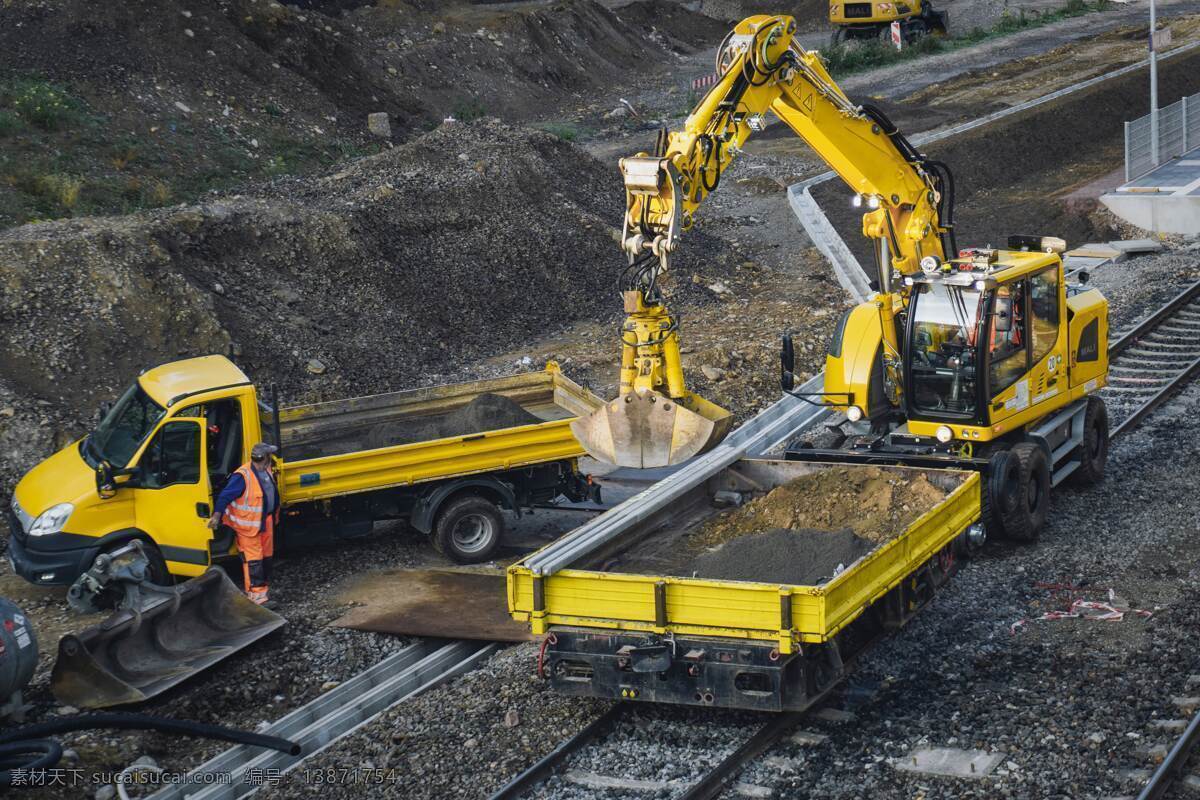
point(328, 718)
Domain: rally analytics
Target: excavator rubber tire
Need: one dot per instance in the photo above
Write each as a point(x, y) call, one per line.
point(1024, 520)
point(469, 530)
point(1004, 475)
point(1093, 453)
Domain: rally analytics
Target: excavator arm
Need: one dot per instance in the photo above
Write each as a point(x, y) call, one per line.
point(908, 201)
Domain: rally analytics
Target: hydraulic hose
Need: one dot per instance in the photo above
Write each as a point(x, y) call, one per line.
point(30, 739)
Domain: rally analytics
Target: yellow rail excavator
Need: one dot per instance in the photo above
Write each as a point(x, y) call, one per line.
point(872, 20)
point(980, 356)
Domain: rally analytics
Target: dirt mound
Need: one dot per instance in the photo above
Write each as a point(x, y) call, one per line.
point(165, 100)
point(874, 504)
point(793, 557)
point(1015, 175)
point(679, 28)
point(392, 273)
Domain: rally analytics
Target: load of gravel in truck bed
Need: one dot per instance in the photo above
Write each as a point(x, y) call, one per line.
point(802, 533)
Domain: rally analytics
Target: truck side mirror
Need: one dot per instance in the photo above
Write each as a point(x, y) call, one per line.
point(787, 364)
point(106, 481)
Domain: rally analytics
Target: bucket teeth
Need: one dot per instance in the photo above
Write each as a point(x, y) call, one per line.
point(647, 429)
point(131, 657)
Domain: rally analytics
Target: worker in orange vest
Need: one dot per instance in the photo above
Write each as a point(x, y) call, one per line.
point(249, 504)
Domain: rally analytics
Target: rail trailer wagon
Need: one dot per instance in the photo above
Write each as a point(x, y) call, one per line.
point(635, 620)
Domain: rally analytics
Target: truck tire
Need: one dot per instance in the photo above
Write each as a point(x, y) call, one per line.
point(1024, 520)
point(469, 530)
point(1093, 452)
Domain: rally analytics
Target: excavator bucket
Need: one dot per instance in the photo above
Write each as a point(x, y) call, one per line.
point(647, 429)
point(136, 654)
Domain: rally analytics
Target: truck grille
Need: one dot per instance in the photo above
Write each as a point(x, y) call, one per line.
point(858, 10)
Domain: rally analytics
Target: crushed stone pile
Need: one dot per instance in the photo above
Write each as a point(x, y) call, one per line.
point(874, 504)
point(792, 557)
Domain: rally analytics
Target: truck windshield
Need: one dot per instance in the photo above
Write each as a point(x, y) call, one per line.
point(123, 429)
point(942, 363)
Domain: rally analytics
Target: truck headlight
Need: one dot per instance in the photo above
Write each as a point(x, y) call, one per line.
point(51, 520)
point(854, 413)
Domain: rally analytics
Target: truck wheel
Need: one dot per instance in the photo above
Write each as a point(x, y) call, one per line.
point(469, 530)
point(838, 38)
point(1023, 523)
point(1093, 452)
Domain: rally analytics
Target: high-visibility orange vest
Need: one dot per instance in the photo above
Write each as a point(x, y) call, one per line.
point(245, 514)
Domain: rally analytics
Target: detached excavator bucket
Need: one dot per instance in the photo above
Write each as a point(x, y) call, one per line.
point(647, 429)
point(135, 655)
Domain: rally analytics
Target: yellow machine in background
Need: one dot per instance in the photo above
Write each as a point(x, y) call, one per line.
point(961, 354)
point(873, 19)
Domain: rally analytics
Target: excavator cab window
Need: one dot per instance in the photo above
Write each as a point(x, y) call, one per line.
point(1008, 342)
point(942, 365)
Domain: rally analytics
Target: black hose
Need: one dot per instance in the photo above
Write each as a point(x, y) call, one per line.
point(46, 754)
point(30, 738)
point(946, 208)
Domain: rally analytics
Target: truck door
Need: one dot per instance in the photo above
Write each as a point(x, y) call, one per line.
point(173, 495)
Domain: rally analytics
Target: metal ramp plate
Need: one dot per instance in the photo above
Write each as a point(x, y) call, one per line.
point(457, 604)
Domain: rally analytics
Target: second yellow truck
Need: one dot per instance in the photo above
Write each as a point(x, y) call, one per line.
point(447, 458)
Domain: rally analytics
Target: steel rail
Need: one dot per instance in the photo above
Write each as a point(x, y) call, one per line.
point(1151, 322)
point(1173, 765)
point(1167, 368)
point(722, 775)
point(333, 715)
point(547, 763)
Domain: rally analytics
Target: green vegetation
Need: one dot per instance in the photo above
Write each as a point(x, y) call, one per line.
point(468, 110)
point(62, 156)
point(567, 131)
point(47, 105)
point(844, 59)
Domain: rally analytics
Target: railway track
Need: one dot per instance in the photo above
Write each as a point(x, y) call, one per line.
point(1153, 359)
point(1149, 363)
point(1174, 765)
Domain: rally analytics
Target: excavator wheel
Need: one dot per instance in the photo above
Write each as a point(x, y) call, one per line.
point(1026, 510)
point(1093, 452)
point(838, 38)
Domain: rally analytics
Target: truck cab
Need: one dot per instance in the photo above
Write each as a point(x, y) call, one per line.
point(148, 471)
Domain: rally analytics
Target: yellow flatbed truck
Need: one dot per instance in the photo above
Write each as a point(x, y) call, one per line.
point(446, 458)
point(664, 636)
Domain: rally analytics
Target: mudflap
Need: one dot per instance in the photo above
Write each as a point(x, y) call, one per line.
point(135, 655)
point(646, 429)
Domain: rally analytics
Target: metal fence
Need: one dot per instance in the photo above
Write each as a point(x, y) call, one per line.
point(1178, 132)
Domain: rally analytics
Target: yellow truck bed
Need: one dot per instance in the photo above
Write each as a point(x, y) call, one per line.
point(586, 596)
point(338, 443)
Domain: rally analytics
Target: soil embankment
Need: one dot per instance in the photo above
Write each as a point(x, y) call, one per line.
point(1013, 176)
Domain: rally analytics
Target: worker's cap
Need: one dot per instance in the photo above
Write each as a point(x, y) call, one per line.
point(262, 450)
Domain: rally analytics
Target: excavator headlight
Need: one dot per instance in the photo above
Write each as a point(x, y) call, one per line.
point(856, 201)
point(944, 434)
point(854, 413)
point(873, 201)
point(930, 264)
point(980, 286)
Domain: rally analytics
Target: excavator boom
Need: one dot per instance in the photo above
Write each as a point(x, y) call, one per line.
point(655, 420)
